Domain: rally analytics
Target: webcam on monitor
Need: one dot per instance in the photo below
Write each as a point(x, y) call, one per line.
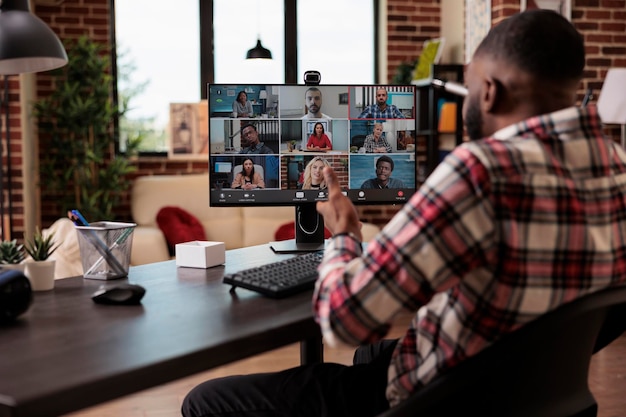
point(312, 77)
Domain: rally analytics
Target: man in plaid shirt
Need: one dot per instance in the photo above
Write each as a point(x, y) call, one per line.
point(506, 229)
point(381, 110)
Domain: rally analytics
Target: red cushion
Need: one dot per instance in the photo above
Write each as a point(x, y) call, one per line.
point(179, 226)
point(288, 231)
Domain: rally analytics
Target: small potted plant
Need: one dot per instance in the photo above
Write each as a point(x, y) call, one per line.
point(40, 271)
point(11, 255)
point(291, 145)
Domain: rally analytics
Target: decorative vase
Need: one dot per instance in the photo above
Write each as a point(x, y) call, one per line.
point(41, 274)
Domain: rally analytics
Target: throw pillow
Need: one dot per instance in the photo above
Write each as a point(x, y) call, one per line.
point(179, 226)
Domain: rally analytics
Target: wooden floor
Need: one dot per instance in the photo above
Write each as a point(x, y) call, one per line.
point(607, 380)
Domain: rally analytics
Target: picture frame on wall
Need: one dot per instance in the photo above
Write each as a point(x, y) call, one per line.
point(563, 7)
point(188, 131)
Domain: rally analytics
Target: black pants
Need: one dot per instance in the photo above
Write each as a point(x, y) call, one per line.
point(320, 390)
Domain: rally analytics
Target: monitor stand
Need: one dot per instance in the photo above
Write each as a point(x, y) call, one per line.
point(309, 226)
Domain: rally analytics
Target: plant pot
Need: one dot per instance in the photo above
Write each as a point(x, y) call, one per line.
point(41, 275)
point(16, 267)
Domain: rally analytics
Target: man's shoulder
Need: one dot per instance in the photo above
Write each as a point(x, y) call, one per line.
point(370, 183)
point(396, 183)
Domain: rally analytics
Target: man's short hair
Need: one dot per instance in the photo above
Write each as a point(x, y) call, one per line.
point(248, 125)
point(541, 42)
point(384, 158)
point(313, 89)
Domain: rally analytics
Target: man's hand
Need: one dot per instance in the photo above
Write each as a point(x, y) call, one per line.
point(340, 215)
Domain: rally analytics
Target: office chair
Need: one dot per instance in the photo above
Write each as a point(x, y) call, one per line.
point(540, 370)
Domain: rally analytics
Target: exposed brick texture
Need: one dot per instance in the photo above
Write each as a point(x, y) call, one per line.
point(410, 22)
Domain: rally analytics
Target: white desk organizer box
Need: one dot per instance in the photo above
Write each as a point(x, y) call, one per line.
point(200, 254)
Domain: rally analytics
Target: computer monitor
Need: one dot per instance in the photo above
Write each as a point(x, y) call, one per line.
point(372, 151)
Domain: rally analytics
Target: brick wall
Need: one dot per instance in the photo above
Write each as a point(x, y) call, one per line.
point(410, 22)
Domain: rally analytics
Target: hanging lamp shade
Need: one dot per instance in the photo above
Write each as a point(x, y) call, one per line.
point(27, 44)
point(259, 52)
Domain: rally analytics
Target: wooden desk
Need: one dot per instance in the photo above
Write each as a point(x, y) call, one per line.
point(67, 353)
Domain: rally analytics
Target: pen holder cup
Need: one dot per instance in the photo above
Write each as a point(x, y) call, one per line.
point(105, 249)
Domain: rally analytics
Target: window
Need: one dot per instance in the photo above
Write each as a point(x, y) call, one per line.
point(336, 38)
point(159, 62)
point(236, 27)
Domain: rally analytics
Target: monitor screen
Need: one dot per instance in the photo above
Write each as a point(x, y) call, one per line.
point(269, 143)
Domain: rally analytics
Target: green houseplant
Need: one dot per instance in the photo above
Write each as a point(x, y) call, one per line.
point(79, 167)
point(40, 247)
point(11, 254)
point(40, 271)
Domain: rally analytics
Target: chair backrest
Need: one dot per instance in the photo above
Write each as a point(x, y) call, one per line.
point(257, 169)
point(539, 370)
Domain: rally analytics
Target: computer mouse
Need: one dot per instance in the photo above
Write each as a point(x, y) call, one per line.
point(120, 294)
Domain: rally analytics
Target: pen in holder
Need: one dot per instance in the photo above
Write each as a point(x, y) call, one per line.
point(105, 249)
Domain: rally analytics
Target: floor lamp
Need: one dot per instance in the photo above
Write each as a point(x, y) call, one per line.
point(27, 44)
point(612, 100)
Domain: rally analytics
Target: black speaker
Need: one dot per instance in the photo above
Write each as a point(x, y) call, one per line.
point(15, 294)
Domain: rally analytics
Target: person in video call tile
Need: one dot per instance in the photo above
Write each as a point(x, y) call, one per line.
point(313, 177)
point(250, 141)
point(247, 179)
point(381, 110)
point(384, 168)
point(376, 142)
point(313, 104)
point(319, 141)
point(242, 107)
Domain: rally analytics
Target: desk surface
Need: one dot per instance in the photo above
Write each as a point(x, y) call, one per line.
point(68, 353)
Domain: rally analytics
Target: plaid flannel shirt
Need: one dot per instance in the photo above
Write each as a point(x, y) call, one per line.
point(374, 112)
point(370, 143)
point(504, 230)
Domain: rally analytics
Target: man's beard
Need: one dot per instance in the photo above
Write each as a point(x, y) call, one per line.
point(474, 120)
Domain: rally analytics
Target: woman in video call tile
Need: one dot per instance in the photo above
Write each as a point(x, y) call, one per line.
point(376, 142)
point(242, 107)
point(319, 141)
point(247, 179)
point(313, 177)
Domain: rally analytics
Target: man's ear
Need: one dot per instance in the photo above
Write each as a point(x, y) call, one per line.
point(490, 94)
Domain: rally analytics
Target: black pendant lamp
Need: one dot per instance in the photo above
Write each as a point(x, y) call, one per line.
point(259, 52)
point(27, 44)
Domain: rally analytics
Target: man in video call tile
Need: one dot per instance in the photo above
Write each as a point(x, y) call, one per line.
point(250, 141)
point(381, 110)
point(313, 104)
point(384, 168)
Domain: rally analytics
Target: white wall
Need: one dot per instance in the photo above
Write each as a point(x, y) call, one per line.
point(453, 29)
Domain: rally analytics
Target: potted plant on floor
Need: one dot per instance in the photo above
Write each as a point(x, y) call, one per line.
point(40, 271)
point(11, 255)
point(80, 168)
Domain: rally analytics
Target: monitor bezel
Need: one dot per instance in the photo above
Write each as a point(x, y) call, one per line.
point(295, 197)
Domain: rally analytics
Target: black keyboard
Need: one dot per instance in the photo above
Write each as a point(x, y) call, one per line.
point(279, 279)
